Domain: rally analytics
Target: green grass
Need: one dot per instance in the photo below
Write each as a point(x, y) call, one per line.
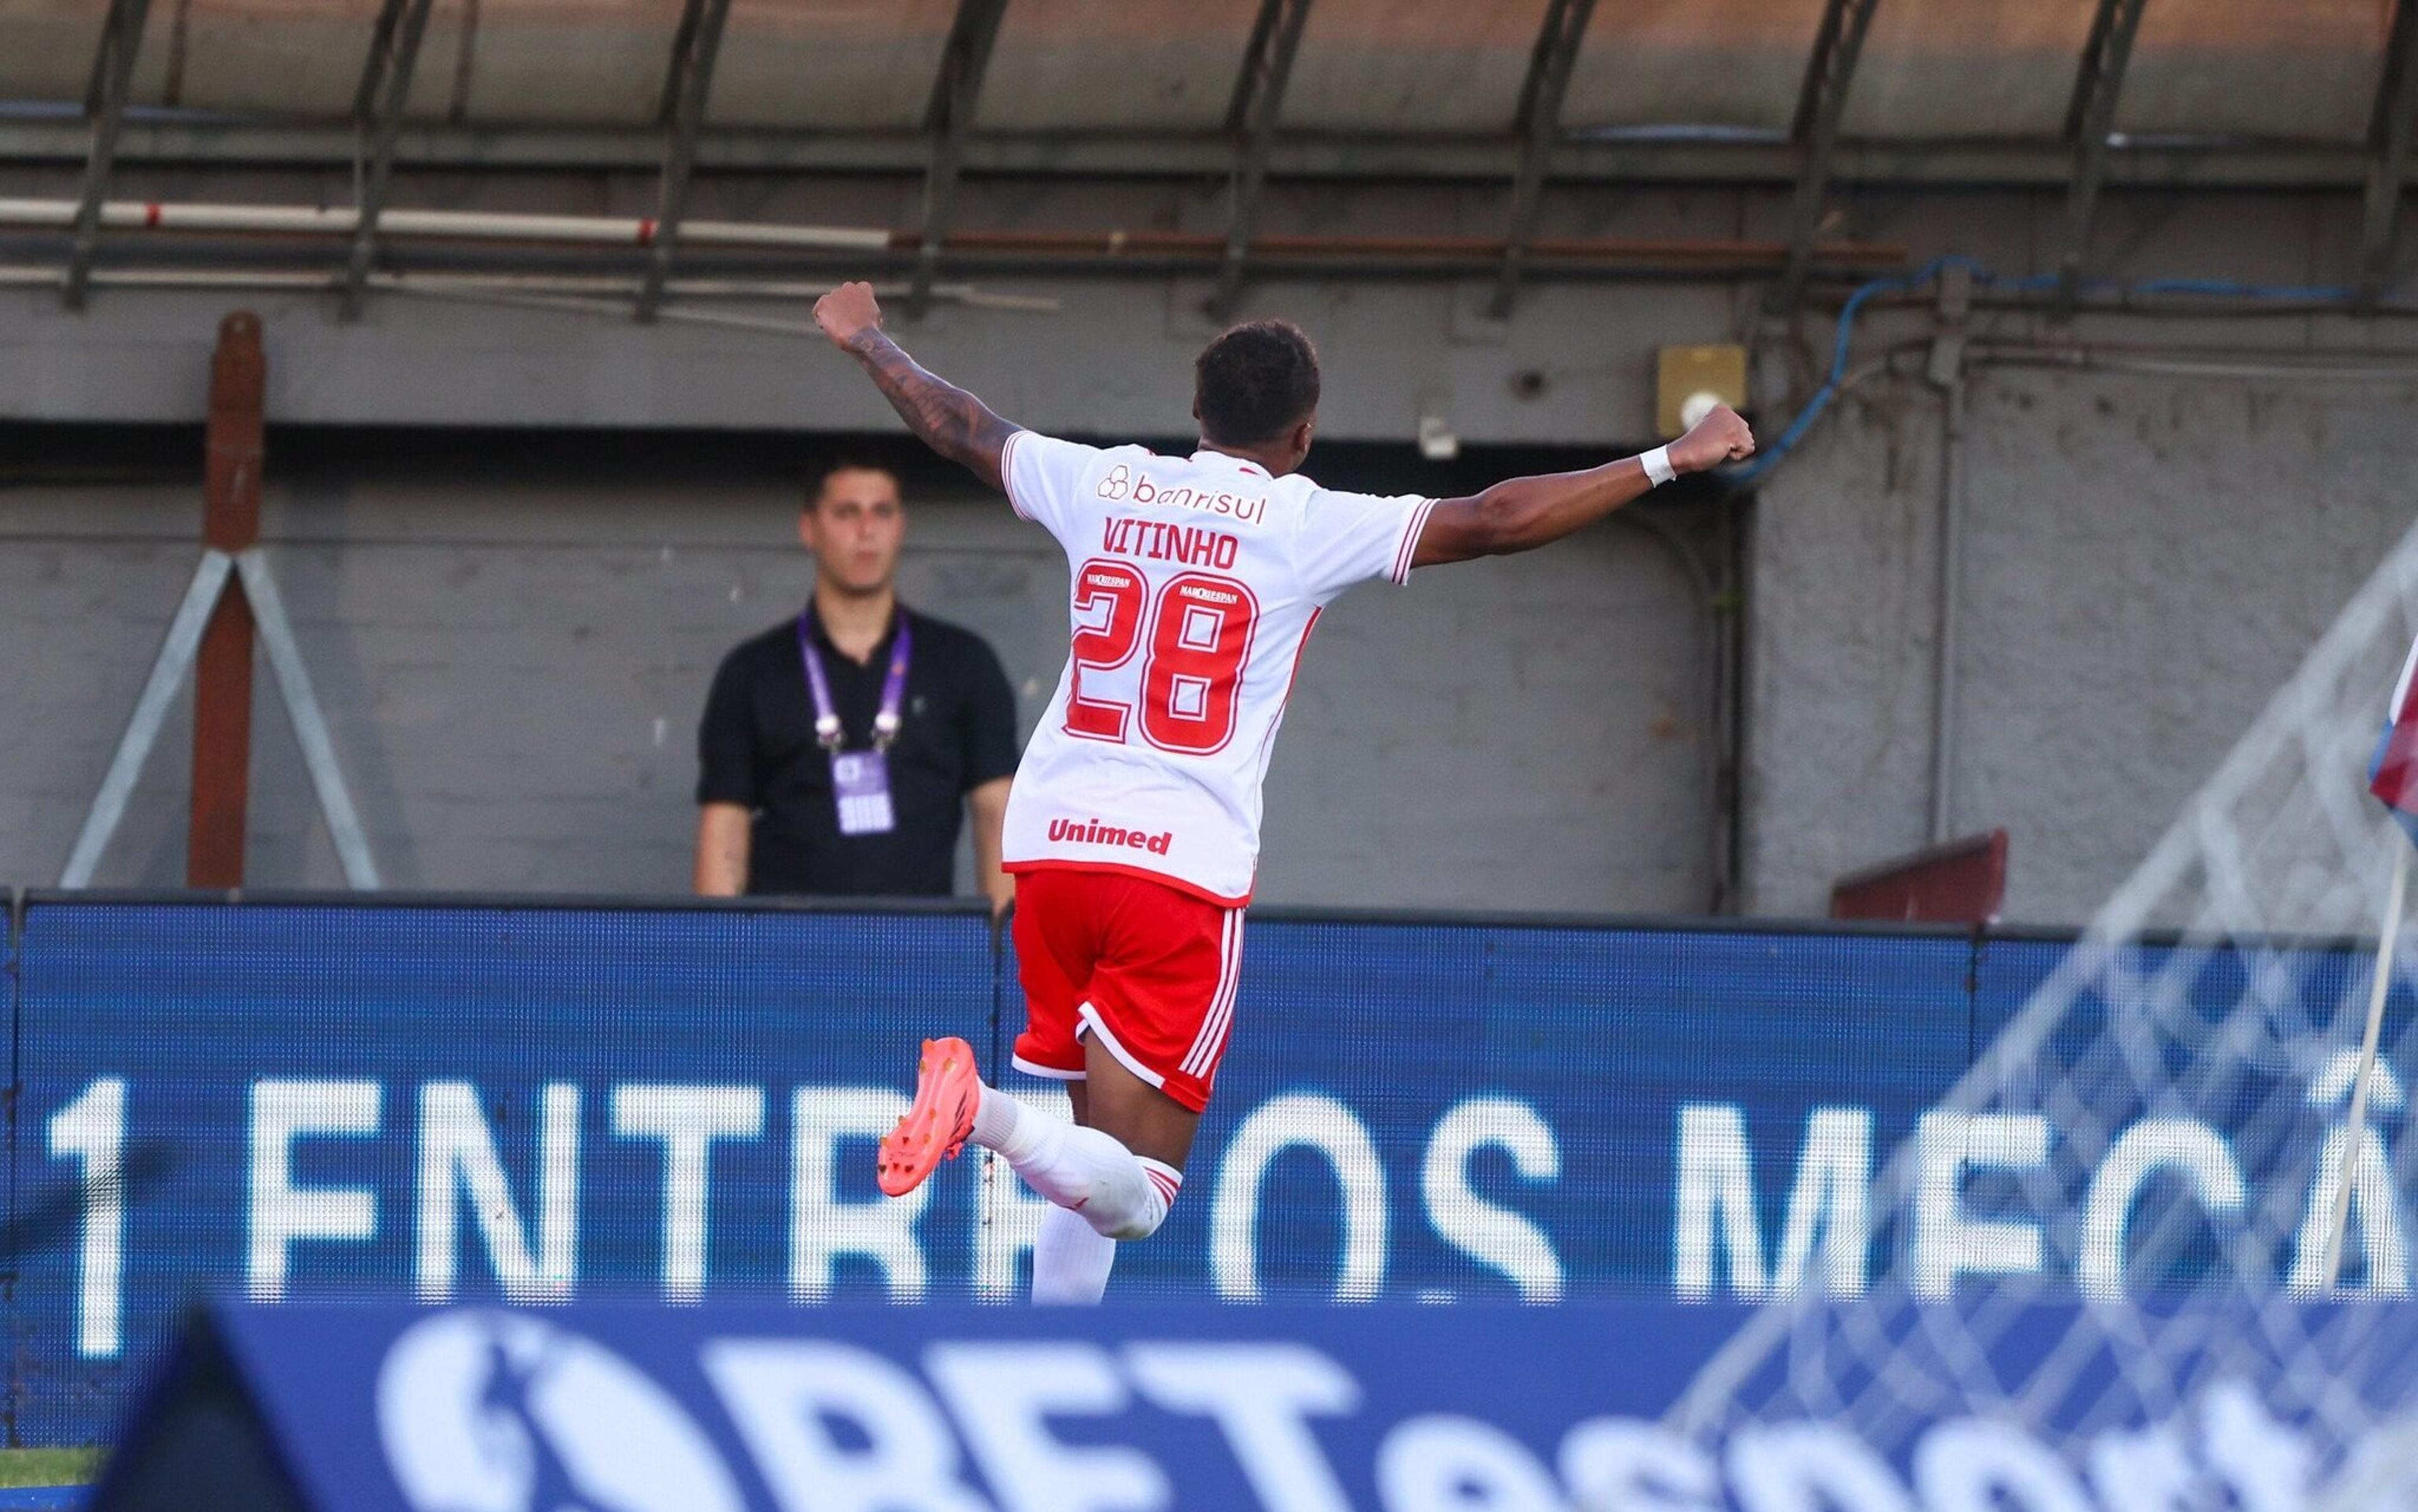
point(48, 1467)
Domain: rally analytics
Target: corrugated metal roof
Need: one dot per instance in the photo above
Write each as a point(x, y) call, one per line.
point(1976, 67)
point(1735, 63)
point(1968, 70)
point(1153, 65)
point(1413, 65)
point(2305, 69)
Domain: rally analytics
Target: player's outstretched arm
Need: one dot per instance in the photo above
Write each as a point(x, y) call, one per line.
point(1522, 513)
point(949, 419)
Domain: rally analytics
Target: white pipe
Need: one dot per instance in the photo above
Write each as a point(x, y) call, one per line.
point(618, 307)
point(599, 295)
point(2172, 362)
point(477, 226)
point(611, 309)
point(18, 276)
point(1946, 616)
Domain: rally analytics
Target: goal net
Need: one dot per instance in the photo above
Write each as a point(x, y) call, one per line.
point(2110, 1237)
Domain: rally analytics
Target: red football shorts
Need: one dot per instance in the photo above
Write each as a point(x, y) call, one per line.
point(1148, 969)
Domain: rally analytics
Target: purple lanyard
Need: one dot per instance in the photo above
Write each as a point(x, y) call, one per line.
point(894, 687)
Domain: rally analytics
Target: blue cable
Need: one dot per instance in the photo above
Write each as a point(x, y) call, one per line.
point(1909, 282)
point(1896, 284)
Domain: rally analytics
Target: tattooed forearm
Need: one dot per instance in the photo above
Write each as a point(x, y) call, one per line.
point(949, 419)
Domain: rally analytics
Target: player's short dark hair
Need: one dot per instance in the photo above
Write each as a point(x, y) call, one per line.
point(823, 478)
point(1255, 381)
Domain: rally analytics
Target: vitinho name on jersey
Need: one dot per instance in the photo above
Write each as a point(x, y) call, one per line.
point(1164, 541)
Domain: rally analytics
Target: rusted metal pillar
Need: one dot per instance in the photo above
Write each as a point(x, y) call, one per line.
point(223, 677)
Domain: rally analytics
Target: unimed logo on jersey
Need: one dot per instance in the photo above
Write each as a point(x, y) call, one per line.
point(1092, 833)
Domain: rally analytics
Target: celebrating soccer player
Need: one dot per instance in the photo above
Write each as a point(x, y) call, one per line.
point(1134, 824)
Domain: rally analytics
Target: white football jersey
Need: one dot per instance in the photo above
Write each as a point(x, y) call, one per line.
point(1196, 582)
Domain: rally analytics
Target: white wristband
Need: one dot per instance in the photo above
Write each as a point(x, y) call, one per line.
point(1657, 466)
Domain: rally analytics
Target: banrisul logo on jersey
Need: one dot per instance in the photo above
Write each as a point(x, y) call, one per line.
point(1122, 484)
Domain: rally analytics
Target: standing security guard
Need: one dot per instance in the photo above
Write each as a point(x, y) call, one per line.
point(838, 747)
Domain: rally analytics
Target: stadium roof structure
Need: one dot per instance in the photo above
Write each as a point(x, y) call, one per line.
point(1800, 95)
point(1977, 70)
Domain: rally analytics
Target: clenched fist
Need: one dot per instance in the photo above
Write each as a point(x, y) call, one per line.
point(847, 312)
point(1720, 437)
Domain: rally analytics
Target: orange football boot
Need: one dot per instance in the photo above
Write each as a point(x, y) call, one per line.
point(937, 1126)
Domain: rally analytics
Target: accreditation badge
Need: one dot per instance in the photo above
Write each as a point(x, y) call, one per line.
point(861, 782)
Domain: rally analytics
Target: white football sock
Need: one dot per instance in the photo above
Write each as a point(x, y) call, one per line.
point(1070, 1262)
point(1005, 1124)
point(1120, 1193)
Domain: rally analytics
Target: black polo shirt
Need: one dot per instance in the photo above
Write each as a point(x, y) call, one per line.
point(756, 748)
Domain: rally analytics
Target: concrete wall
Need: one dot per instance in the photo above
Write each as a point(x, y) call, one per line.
point(1116, 359)
point(513, 656)
point(2148, 550)
point(2144, 562)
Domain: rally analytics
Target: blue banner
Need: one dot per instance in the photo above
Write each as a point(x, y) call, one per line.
point(1161, 1408)
point(531, 1103)
point(335, 1101)
point(458, 1103)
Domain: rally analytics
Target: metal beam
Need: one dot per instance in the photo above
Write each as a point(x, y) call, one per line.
point(684, 45)
point(1829, 73)
point(381, 54)
point(310, 722)
point(222, 780)
point(104, 108)
point(2388, 149)
point(176, 658)
point(948, 120)
point(1252, 118)
point(1643, 155)
point(386, 85)
point(465, 61)
point(1263, 37)
point(691, 81)
point(1538, 125)
point(2089, 118)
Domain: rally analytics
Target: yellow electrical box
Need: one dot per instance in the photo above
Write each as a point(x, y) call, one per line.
point(1685, 376)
